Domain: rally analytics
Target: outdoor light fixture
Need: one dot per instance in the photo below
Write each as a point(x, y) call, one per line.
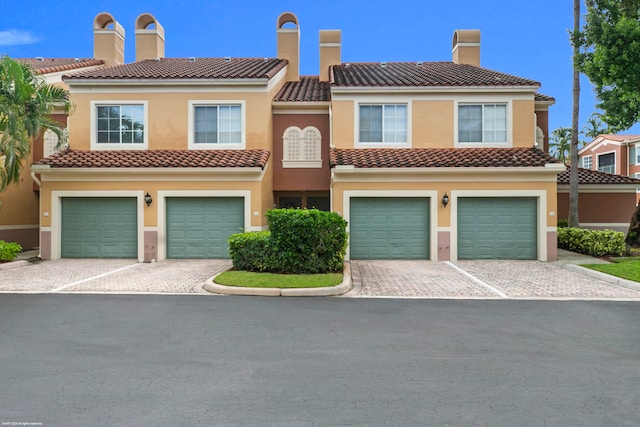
point(148, 199)
point(445, 200)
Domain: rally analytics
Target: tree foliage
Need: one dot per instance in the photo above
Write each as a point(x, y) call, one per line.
point(26, 104)
point(560, 144)
point(611, 59)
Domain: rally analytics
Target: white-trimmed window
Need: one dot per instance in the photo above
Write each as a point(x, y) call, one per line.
point(301, 147)
point(637, 150)
point(587, 162)
point(482, 123)
point(383, 123)
point(607, 162)
point(119, 125)
point(216, 125)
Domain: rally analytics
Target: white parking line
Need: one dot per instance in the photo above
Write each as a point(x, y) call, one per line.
point(92, 278)
point(475, 279)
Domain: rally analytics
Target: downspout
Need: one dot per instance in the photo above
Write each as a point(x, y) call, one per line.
point(35, 179)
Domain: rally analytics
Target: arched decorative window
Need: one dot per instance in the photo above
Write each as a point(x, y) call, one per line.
point(50, 140)
point(302, 148)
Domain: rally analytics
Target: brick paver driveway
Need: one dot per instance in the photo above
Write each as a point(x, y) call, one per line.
point(478, 279)
point(111, 275)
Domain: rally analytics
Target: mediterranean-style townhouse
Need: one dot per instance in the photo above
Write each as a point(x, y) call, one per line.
point(19, 203)
point(425, 160)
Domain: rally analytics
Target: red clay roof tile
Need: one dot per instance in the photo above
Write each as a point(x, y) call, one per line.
point(189, 68)
point(158, 159)
point(307, 89)
point(418, 74)
point(587, 176)
point(54, 65)
point(439, 157)
point(619, 138)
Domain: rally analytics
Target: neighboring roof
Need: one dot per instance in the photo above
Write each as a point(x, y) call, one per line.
point(587, 176)
point(158, 159)
point(54, 65)
point(420, 74)
point(544, 98)
point(307, 89)
point(190, 68)
point(439, 157)
point(619, 138)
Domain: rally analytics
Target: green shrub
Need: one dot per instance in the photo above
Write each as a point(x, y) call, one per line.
point(307, 240)
point(299, 241)
point(591, 242)
point(563, 223)
point(250, 251)
point(9, 251)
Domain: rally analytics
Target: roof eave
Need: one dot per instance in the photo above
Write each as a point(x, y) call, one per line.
point(510, 88)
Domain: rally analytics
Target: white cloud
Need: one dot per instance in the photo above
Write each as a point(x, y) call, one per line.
point(16, 38)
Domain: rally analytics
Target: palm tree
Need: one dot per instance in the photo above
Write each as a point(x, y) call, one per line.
point(593, 127)
point(560, 144)
point(574, 220)
point(26, 103)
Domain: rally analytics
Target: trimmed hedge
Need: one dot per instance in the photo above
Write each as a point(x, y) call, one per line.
point(250, 251)
point(299, 241)
point(9, 251)
point(592, 242)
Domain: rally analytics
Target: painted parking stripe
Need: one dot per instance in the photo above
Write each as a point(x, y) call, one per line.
point(478, 281)
point(92, 278)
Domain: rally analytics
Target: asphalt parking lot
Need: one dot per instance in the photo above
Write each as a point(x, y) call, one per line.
point(390, 279)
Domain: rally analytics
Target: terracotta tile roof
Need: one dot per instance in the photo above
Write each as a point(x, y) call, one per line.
point(158, 159)
point(190, 68)
point(547, 98)
point(586, 176)
point(307, 89)
point(421, 74)
point(619, 138)
point(54, 65)
point(439, 157)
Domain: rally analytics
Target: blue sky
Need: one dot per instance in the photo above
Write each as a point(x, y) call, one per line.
point(527, 39)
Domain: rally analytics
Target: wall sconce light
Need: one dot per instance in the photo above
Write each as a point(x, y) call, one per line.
point(445, 200)
point(148, 199)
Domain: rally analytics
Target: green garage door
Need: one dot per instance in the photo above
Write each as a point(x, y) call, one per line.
point(198, 227)
point(99, 227)
point(497, 228)
point(389, 228)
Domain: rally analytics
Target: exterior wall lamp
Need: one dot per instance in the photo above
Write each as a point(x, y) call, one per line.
point(148, 199)
point(445, 200)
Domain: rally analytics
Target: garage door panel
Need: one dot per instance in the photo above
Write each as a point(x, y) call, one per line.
point(497, 228)
point(99, 227)
point(199, 227)
point(389, 228)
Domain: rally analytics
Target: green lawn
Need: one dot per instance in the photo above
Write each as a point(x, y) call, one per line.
point(270, 280)
point(625, 268)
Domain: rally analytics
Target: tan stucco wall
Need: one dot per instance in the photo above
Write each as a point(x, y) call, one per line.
point(168, 116)
point(433, 123)
point(600, 208)
point(19, 201)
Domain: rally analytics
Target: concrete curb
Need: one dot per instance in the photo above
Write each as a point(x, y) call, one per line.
point(13, 264)
point(340, 289)
point(603, 276)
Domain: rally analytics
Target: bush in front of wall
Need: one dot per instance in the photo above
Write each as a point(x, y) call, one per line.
point(299, 241)
point(307, 240)
point(9, 251)
point(250, 251)
point(591, 242)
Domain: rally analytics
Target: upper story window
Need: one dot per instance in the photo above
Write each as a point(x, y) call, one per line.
point(482, 123)
point(301, 148)
point(587, 162)
point(119, 125)
point(607, 162)
point(216, 125)
point(637, 155)
point(384, 123)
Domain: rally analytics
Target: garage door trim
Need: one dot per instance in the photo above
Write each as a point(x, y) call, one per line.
point(541, 196)
point(56, 216)
point(433, 209)
point(162, 210)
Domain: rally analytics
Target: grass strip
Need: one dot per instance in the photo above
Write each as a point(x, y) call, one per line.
point(626, 270)
point(250, 279)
